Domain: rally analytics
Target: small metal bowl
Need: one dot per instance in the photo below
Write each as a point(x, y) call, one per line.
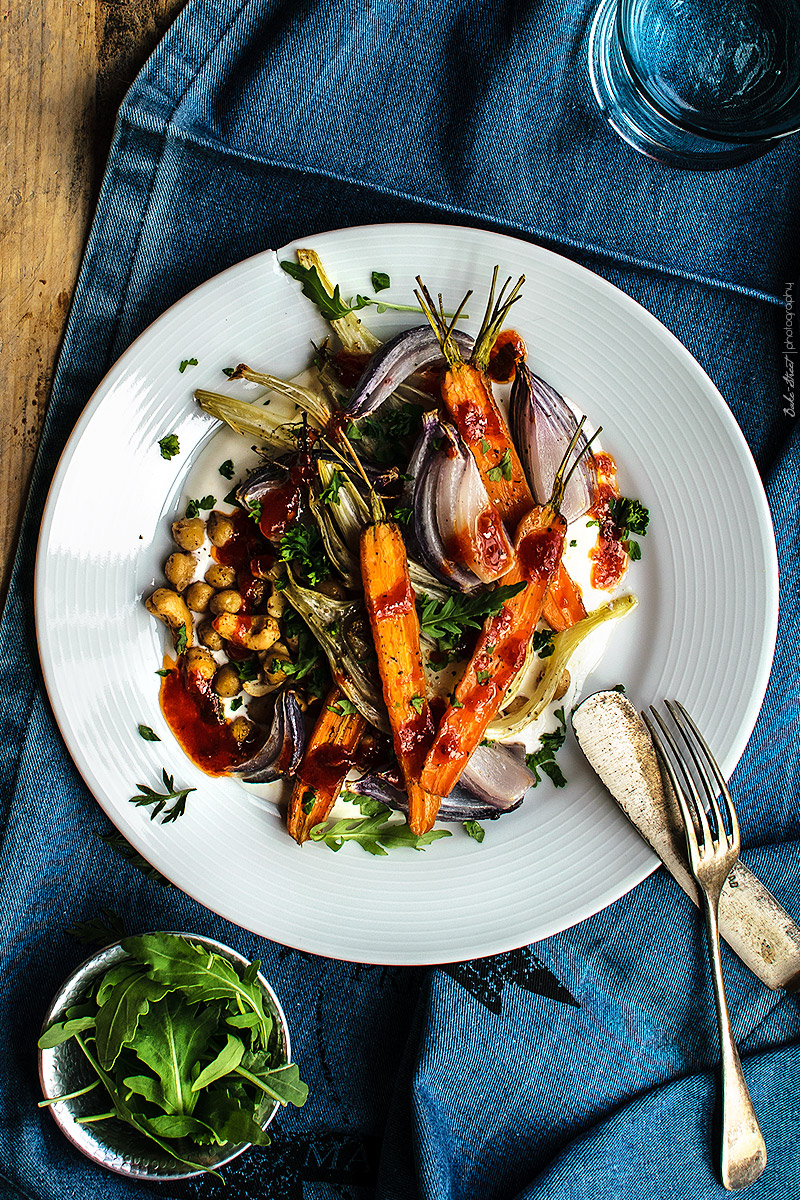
point(113, 1144)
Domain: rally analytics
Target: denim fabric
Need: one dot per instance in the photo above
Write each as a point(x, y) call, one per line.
point(583, 1066)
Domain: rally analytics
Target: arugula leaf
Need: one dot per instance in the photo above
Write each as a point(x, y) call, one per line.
point(187, 362)
point(544, 759)
point(169, 446)
point(118, 1018)
point(171, 1044)
point(282, 1083)
point(444, 621)
point(374, 833)
point(159, 800)
point(226, 1061)
point(147, 734)
point(380, 281)
point(62, 1031)
point(197, 973)
point(303, 545)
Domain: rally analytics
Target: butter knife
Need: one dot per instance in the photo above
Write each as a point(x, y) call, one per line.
point(616, 744)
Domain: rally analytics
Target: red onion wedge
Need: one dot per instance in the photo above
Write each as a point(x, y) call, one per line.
point(282, 751)
point(410, 351)
point(460, 535)
point(542, 424)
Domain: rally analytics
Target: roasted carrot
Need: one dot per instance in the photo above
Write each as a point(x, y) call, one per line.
point(395, 629)
point(328, 758)
point(500, 650)
point(563, 604)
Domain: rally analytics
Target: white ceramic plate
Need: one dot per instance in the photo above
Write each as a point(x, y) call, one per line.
point(704, 630)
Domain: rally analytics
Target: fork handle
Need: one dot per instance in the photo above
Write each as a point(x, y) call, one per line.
point(744, 1153)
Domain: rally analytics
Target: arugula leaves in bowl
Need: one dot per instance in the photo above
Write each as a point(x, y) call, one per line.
point(166, 1055)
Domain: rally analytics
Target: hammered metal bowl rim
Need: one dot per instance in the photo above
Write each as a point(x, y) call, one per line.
point(127, 1168)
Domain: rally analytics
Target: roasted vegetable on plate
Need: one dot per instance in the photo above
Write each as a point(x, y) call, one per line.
point(389, 605)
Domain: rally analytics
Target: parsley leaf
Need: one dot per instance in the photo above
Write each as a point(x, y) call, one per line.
point(187, 362)
point(417, 703)
point(343, 707)
point(634, 550)
point(482, 676)
point(380, 281)
point(543, 642)
point(227, 469)
point(444, 621)
point(474, 830)
point(330, 493)
point(147, 734)
point(246, 669)
point(503, 468)
point(544, 758)
point(159, 800)
point(169, 446)
point(303, 545)
point(181, 640)
point(630, 516)
point(194, 506)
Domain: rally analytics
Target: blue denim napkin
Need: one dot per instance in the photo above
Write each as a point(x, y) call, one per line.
point(583, 1066)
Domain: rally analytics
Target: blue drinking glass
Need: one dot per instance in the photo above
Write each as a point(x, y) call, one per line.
point(698, 83)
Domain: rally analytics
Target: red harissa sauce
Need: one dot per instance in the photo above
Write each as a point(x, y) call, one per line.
point(507, 351)
point(189, 709)
point(609, 556)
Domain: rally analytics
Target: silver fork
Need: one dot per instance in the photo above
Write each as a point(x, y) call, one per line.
point(713, 847)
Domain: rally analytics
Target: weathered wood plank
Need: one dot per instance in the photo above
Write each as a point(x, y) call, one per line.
point(63, 70)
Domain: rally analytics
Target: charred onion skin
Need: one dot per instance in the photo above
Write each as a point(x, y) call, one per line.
point(410, 351)
point(392, 613)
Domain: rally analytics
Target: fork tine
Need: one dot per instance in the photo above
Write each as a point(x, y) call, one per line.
point(734, 837)
point(690, 789)
point(719, 830)
point(688, 819)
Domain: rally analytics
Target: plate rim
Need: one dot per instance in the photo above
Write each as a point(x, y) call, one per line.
point(650, 861)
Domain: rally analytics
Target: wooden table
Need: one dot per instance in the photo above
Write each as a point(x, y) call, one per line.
point(64, 69)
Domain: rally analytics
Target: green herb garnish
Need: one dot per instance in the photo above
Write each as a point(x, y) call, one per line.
point(147, 734)
point(503, 468)
point(174, 797)
point(474, 830)
point(330, 493)
point(227, 469)
point(181, 641)
point(380, 281)
point(194, 506)
point(544, 759)
point(187, 362)
point(630, 516)
point(417, 703)
point(374, 833)
point(343, 707)
point(169, 446)
point(543, 642)
point(303, 545)
point(445, 621)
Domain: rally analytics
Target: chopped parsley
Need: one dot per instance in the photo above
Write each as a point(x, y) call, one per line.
point(181, 640)
point(229, 371)
point(630, 516)
point(227, 469)
point(254, 510)
point(544, 759)
point(303, 545)
point(482, 676)
point(543, 642)
point(503, 468)
point(417, 703)
point(204, 503)
point(380, 281)
point(246, 669)
point(236, 703)
point(343, 707)
point(164, 672)
point(330, 493)
point(159, 800)
point(147, 734)
point(474, 830)
point(169, 446)
point(187, 362)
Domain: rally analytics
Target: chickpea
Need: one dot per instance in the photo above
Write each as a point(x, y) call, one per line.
point(226, 681)
point(220, 528)
point(329, 587)
point(228, 601)
point(240, 728)
point(198, 596)
point(276, 604)
point(179, 569)
point(219, 576)
point(201, 662)
point(189, 533)
point(208, 635)
point(252, 633)
point(170, 608)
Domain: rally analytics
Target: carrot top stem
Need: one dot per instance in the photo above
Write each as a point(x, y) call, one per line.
point(493, 318)
point(439, 322)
